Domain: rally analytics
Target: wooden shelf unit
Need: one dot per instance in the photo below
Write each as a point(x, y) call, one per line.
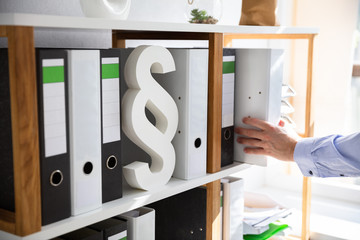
point(19, 29)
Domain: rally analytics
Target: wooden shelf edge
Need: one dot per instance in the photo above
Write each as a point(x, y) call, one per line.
point(228, 37)
point(7, 221)
point(2, 31)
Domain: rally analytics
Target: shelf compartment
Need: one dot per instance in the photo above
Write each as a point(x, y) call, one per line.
point(132, 199)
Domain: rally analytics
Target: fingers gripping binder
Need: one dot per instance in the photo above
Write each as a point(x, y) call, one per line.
point(258, 86)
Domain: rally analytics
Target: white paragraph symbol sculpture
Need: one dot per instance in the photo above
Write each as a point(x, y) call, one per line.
point(145, 92)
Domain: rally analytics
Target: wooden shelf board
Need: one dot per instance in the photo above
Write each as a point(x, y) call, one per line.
point(132, 199)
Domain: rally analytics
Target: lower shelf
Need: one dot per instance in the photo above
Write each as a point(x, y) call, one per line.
point(132, 199)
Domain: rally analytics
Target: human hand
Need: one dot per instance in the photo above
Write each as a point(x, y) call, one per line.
point(267, 139)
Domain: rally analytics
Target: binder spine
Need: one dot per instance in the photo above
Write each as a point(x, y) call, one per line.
point(54, 108)
point(141, 226)
point(85, 130)
point(227, 126)
point(197, 118)
point(236, 188)
point(188, 87)
point(54, 135)
point(275, 85)
point(7, 199)
point(111, 146)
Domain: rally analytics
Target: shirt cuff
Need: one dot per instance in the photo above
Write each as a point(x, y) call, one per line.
point(304, 159)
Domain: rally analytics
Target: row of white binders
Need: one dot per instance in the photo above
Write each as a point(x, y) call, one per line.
point(91, 142)
point(83, 148)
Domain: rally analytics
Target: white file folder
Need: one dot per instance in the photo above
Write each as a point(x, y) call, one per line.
point(233, 208)
point(188, 86)
point(258, 87)
point(141, 223)
point(85, 130)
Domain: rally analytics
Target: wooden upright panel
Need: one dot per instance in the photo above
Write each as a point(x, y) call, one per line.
point(7, 221)
point(214, 102)
point(23, 97)
point(306, 204)
point(228, 37)
point(309, 121)
point(117, 42)
point(214, 134)
point(309, 132)
point(213, 210)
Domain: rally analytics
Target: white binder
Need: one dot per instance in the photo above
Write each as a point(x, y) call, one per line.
point(258, 87)
point(85, 130)
point(141, 223)
point(188, 85)
point(233, 208)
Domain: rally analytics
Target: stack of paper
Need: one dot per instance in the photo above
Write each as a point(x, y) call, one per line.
point(260, 212)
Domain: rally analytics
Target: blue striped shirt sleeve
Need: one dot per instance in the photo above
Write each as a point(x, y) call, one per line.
point(331, 156)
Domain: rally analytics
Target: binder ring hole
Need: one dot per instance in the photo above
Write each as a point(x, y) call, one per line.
point(111, 162)
point(88, 167)
point(227, 134)
point(56, 178)
point(197, 142)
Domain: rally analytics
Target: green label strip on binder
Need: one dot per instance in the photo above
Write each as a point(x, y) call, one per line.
point(53, 74)
point(124, 238)
point(110, 70)
point(228, 67)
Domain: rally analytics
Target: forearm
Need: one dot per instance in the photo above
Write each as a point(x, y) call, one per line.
point(331, 156)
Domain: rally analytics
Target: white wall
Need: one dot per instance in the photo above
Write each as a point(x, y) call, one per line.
point(174, 11)
point(332, 61)
point(331, 89)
